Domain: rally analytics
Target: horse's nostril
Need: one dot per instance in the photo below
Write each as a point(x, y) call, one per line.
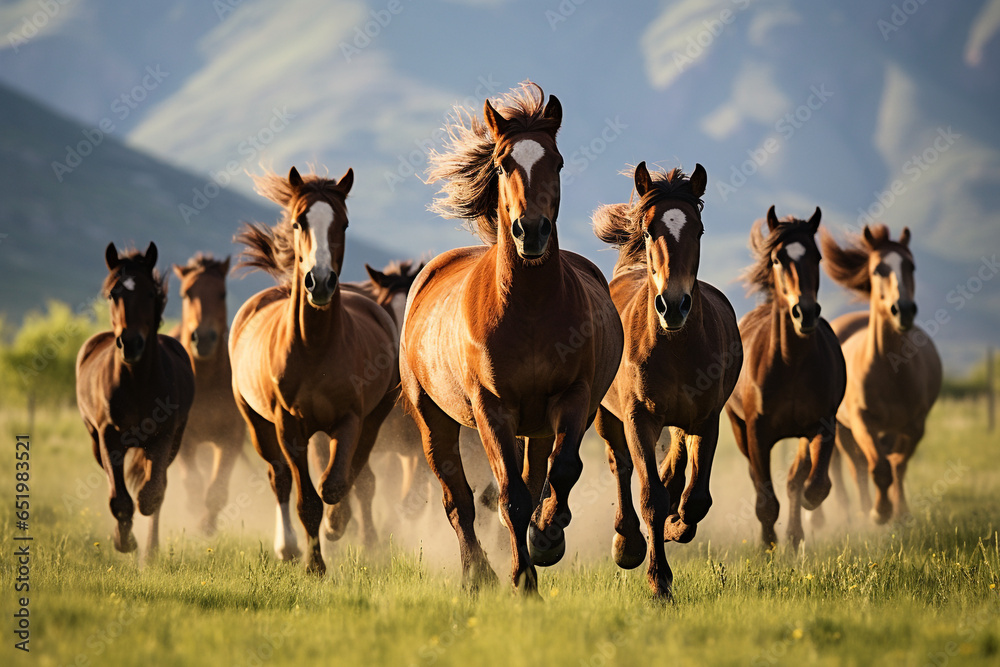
point(894, 309)
point(685, 304)
point(797, 312)
point(118, 342)
point(819, 309)
point(914, 308)
point(194, 337)
point(212, 336)
point(517, 229)
point(331, 282)
point(310, 281)
point(546, 227)
point(660, 304)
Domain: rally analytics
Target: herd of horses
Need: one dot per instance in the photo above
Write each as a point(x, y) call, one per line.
point(523, 341)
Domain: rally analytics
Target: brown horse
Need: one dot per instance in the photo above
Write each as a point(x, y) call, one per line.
point(793, 373)
point(893, 368)
point(308, 356)
point(517, 338)
point(134, 388)
point(682, 356)
point(214, 419)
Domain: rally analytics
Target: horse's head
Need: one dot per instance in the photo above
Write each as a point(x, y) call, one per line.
point(527, 165)
point(669, 216)
point(318, 217)
point(392, 285)
point(794, 259)
point(136, 296)
point(203, 290)
point(890, 270)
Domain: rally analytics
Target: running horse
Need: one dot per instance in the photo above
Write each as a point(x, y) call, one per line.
point(134, 388)
point(893, 368)
point(517, 338)
point(309, 356)
point(681, 360)
point(793, 375)
point(214, 419)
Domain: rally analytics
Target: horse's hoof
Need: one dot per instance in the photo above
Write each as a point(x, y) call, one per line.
point(880, 518)
point(816, 493)
point(546, 548)
point(126, 544)
point(663, 590)
point(675, 530)
point(209, 526)
point(628, 554)
point(316, 566)
point(817, 520)
point(336, 521)
point(288, 553)
point(480, 575)
point(526, 583)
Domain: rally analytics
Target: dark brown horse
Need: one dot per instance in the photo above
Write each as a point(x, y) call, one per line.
point(893, 368)
point(214, 419)
point(516, 338)
point(793, 373)
point(308, 356)
point(682, 356)
point(134, 389)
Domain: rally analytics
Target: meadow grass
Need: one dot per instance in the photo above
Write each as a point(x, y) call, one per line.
point(921, 593)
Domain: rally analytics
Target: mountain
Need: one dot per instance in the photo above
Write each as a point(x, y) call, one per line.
point(879, 111)
point(68, 189)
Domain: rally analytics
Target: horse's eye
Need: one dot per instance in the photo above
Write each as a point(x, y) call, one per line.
point(296, 226)
point(775, 261)
point(500, 171)
point(645, 234)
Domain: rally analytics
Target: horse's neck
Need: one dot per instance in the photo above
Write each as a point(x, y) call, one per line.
point(523, 285)
point(784, 343)
point(882, 339)
point(310, 327)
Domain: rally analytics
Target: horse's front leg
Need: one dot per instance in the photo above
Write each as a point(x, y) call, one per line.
point(120, 502)
point(628, 546)
point(697, 497)
point(154, 489)
point(295, 446)
point(569, 415)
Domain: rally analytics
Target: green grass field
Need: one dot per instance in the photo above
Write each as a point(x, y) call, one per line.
point(926, 593)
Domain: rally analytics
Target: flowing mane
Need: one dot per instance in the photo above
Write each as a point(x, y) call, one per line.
point(134, 261)
point(620, 224)
point(848, 264)
point(758, 277)
point(207, 263)
point(470, 191)
point(269, 248)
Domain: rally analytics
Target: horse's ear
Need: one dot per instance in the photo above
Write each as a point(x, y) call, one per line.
point(904, 238)
point(699, 180)
point(497, 123)
point(346, 181)
point(553, 110)
point(225, 265)
point(111, 256)
point(643, 181)
point(814, 220)
point(869, 238)
point(179, 271)
point(377, 276)
point(772, 219)
point(150, 255)
point(294, 178)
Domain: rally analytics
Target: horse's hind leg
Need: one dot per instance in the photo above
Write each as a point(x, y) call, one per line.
point(439, 434)
point(858, 466)
point(797, 475)
point(899, 459)
point(759, 445)
point(120, 502)
point(265, 441)
point(194, 484)
point(628, 546)
point(673, 477)
point(364, 491)
point(697, 497)
point(160, 454)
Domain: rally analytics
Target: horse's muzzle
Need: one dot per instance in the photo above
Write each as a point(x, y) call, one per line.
point(805, 316)
point(673, 313)
point(132, 347)
point(904, 312)
point(204, 342)
point(531, 238)
point(320, 288)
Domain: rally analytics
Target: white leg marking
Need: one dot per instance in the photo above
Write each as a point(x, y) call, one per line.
point(675, 220)
point(284, 534)
point(526, 153)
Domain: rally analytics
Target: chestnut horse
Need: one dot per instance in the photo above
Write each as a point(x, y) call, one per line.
point(134, 388)
point(793, 373)
point(517, 338)
point(681, 360)
point(308, 356)
point(893, 368)
point(214, 419)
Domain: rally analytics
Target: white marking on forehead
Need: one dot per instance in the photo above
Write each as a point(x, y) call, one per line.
point(526, 153)
point(795, 251)
point(320, 216)
point(129, 284)
point(675, 220)
point(895, 262)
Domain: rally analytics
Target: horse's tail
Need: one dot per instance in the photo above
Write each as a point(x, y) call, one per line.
point(135, 475)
